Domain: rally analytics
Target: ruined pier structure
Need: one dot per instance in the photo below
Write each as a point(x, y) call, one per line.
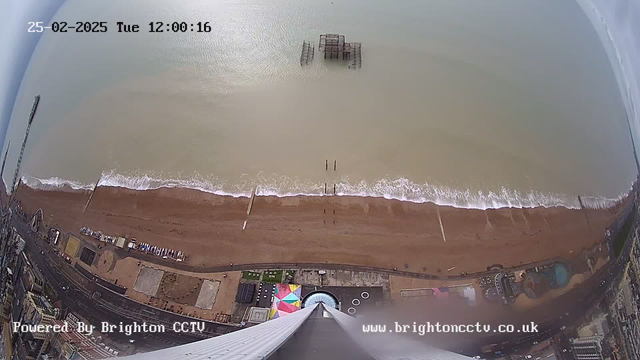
point(308, 50)
point(333, 46)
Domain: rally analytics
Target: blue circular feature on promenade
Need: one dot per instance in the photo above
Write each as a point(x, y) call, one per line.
point(320, 297)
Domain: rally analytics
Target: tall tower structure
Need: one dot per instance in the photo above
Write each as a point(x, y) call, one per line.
point(305, 331)
point(5, 231)
point(4, 161)
point(34, 107)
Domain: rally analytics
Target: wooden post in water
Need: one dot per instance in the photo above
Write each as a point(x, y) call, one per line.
point(583, 209)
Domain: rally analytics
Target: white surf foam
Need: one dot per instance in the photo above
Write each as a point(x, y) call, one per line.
point(591, 202)
point(153, 181)
point(399, 189)
point(54, 183)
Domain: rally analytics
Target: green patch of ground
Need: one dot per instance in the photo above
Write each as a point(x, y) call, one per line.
point(289, 274)
point(251, 275)
point(619, 241)
point(272, 276)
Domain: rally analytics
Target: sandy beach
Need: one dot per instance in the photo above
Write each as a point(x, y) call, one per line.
point(332, 229)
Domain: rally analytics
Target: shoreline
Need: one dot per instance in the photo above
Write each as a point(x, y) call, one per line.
point(400, 189)
point(357, 231)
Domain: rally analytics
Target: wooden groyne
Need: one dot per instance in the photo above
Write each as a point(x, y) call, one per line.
point(95, 187)
point(308, 52)
point(253, 197)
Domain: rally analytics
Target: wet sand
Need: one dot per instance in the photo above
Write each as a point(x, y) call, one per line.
point(344, 230)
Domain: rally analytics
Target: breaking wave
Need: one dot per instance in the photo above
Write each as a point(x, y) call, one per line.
point(54, 183)
point(399, 189)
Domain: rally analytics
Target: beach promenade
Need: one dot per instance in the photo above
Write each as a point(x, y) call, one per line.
point(370, 232)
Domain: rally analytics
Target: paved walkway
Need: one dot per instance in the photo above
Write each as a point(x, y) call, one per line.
point(348, 267)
